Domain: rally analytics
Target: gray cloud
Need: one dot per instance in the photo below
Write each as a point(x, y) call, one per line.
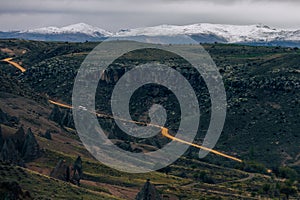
point(117, 14)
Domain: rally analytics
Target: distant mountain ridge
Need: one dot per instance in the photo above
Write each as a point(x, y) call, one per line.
point(75, 28)
point(80, 32)
point(203, 33)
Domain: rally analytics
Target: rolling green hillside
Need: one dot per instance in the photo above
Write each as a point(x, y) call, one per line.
point(262, 124)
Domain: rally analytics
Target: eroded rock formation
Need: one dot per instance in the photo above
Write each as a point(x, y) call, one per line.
point(69, 173)
point(31, 149)
point(10, 154)
point(12, 191)
point(61, 171)
point(148, 192)
point(19, 148)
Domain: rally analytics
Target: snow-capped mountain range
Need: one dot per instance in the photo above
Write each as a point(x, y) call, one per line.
point(72, 29)
point(203, 33)
point(230, 33)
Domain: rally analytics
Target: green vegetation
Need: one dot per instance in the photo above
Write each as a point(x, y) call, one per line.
point(262, 126)
point(44, 187)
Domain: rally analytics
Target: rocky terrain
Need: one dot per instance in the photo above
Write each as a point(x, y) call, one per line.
point(262, 127)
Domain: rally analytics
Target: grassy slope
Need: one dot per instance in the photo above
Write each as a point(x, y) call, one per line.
point(43, 187)
point(244, 137)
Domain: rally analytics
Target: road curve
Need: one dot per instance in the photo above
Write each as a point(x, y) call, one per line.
point(16, 65)
point(164, 132)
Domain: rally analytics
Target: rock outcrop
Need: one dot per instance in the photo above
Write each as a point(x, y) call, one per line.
point(12, 191)
point(63, 117)
point(61, 171)
point(3, 117)
point(19, 148)
point(69, 173)
point(148, 192)
point(19, 138)
point(77, 171)
point(31, 149)
point(55, 114)
point(10, 154)
point(7, 119)
point(1, 138)
point(47, 135)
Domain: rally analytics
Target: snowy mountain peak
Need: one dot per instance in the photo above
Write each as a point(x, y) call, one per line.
point(72, 29)
point(202, 32)
point(230, 33)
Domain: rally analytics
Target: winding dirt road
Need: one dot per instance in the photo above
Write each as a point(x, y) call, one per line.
point(164, 131)
point(16, 65)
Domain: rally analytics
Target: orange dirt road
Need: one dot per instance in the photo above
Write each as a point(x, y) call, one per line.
point(16, 65)
point(164, 132)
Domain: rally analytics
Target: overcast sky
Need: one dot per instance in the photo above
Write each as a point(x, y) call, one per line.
point(114, 15)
